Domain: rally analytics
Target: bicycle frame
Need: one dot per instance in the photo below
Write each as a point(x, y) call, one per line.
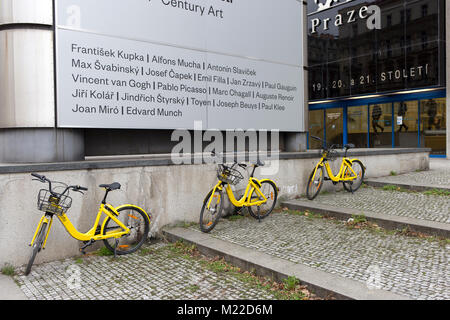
point(342, 175)
point(92, 234)
point(246, 201)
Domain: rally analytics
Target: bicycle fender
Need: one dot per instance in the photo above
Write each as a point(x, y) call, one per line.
point(356, 159)
point(218, 186)
point(136, 207)
point(262, 180)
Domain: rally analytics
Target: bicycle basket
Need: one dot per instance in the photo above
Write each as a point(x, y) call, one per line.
point(331, 155)
point(229, 175)
point(53, 203)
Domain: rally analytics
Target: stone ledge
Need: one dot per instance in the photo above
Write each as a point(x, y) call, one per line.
point(165, 160)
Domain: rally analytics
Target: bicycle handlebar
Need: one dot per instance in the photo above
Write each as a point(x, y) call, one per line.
point(43, 179)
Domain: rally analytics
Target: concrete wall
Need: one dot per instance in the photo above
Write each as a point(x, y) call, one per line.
point(172, 194)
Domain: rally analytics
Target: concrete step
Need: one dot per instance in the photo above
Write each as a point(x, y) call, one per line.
point(387, 221)
point(420, 187)
point(323, 284)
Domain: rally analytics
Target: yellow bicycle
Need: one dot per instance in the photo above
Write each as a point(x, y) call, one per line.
point(351, 172)
point(124, 229)
point(259, 198)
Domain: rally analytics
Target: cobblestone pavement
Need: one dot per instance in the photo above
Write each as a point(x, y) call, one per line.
point(158, 275)
point(438, 178)
point(409, 204)
point(413, 267)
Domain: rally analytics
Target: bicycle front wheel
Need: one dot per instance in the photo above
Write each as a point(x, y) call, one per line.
point(209, 216)
point(354, 185)
point(37, 246)
point(270, 192)
point(138, 223)
point(315, 183)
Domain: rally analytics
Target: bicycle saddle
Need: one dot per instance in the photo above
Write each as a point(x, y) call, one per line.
point(349, 146)
point(111, 187)
point(260, 163)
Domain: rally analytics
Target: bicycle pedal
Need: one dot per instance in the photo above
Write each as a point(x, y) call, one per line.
point(86, 244)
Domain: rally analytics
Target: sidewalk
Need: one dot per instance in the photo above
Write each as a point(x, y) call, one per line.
point(408, 267)
point(156, 272)
point(438, 178)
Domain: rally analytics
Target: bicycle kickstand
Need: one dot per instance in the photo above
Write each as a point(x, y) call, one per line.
point(259, 214)
point(115, 248)
point(86, 244)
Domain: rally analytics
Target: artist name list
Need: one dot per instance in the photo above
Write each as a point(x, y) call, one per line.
point(121, 82)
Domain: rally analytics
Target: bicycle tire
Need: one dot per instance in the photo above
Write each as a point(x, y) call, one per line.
point(216, 212)
point(351, 187)
point(311, 194)
point(128, 247)
point(273, 195)
point(37, 245)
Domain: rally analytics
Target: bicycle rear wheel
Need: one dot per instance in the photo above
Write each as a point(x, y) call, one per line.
point(138, 223)
point(210, 216)
point(314, 183)
point(37, 246)
point(354, 185)
point(269, 190)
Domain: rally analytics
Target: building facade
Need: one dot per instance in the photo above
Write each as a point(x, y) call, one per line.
point(377, 73)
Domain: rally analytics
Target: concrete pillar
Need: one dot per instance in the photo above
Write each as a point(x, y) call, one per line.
point(297, 141)
point(28, 130)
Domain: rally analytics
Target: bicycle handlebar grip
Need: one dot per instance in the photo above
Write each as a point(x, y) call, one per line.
point(80, 188)
point(38, 176)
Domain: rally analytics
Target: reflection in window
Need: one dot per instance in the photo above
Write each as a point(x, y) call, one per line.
point(334, 125)
point(357, 126)
point(413, 32)
point(315, 128)
point(406, 124)
point(381, 125)
point(433, 125)
point(424, 10)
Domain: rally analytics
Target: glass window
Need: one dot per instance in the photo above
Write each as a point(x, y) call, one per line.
point(334, 125)
point(406, 124)
point(433, 125)
point(381, 125)
point(357, 126)
point(411, 41)
point(315, 128)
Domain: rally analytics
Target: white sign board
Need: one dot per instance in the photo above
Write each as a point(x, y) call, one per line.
point(163, 64)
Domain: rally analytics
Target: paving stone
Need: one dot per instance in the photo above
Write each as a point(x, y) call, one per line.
point(408, 204)
point(155, 276)
point(418, 269)
point(438, 178)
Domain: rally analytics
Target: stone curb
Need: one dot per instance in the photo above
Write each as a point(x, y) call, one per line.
point(379, 183)
point(9, 290)
point(321, 283)
point(166, 160)
point(386, 221)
